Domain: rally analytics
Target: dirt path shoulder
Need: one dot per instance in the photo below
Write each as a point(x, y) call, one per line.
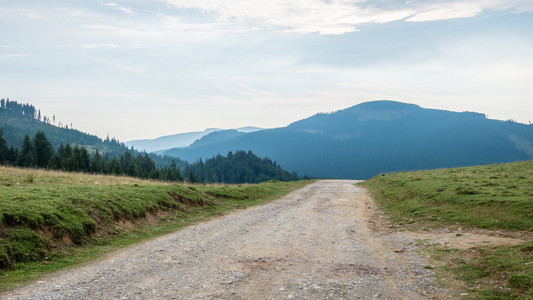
point(325, 241)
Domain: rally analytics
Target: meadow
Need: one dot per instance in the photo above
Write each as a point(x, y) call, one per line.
point(495, 198)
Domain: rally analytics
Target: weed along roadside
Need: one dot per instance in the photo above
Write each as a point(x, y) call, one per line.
point(53, 220)
point(475, 224)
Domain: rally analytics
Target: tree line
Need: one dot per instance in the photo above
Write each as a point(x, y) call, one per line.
point(12, 108)
point(238, 167)
point(39, 153)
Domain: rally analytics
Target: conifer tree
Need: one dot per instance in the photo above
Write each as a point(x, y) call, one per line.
point(25, 158)
point(4, 151)
point(13, 156)
point(43, 150)
point(116, 168)
point(97, 163)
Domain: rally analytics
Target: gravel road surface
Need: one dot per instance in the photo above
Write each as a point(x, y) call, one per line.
point(324, 241)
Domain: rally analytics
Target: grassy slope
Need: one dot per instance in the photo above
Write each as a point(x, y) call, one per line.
point(498, 197)
point(50, 220)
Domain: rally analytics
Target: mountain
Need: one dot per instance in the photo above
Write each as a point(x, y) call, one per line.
point(377, 137)
point(215, 137)
point(17, 120)
point(178, 140)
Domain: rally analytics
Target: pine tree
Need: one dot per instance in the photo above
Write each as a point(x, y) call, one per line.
point(4, 151)
point(43, 150)
point(13, 156)
point(96, 163)
point(25, 158)
point(55, 162)
point(115, 166)
point(192, 178)
point(82, 157)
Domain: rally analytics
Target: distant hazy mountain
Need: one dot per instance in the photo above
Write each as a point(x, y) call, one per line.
point(178, 140)
point(376, 137)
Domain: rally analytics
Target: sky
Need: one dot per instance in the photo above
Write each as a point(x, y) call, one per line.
point(136, 69)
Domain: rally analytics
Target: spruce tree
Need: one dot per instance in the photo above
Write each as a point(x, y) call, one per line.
point(4, 151)
point(13, 156)
point(43, 150)
point(96, 163)
point(116, 168)
point(25, 158)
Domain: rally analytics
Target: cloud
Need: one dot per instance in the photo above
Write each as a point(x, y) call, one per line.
point(467, 9)
point(19, 12)
point(123, 9)
point(127, 31)
point(446, 12)
point(133, 45)
point(303, 16)
point(336, 17)
point(13, 55)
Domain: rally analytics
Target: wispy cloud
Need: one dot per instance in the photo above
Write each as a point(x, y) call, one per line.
point(133, 45)
point(126, 10)
point(466, 9)
point(18, 12)
point(14, 55)
point(446, 12)
point(341, 16)
point(303, 16)
point(127, 31)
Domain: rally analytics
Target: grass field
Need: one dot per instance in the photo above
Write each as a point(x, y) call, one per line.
point(50, 220)
point(493, 197)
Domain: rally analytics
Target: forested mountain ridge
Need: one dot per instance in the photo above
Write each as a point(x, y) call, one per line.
point(379, 137)
point(17, 120)
point(71, 150)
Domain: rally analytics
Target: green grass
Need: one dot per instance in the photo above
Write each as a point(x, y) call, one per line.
point(486, 272)
point(52, 220)
point(493, 197)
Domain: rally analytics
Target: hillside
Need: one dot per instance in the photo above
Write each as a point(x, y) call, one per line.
point(178, 140)
point(18, 120)
point(16, 124)
point(169, 141)
point(379, 137)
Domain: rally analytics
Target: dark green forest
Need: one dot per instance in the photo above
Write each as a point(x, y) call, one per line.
point(20, 147)
point(238, 167)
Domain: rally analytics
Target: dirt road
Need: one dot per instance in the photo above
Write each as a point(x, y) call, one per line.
point(325, 241)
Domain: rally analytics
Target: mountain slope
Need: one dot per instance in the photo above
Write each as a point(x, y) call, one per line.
point(169, 141)
point(178, 140)
point(16, 125)
point(378, 137)
point(17, 120)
